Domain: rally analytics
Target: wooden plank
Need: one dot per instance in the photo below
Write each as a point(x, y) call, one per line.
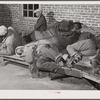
point(71, 72)
point(16, 61)
point(91, 77)
point(82, 72)
point(13, 57)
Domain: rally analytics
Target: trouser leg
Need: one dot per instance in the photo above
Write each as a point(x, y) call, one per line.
point(32, 35)
point(85, 47)
point(46, 64)
point(50, 53)
point(88, 53)
point(38, 35)
point(71, 50)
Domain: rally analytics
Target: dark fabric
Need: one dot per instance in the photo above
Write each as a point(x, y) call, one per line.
point(65, 35)
point(41, 24)
point(45, 64)
point(27, 38)
point(1, 39)
point(68, 38)
point(64, 26)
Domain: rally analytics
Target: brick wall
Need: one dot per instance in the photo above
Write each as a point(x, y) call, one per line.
point(87, 14)
point(18, 21)
point(11, 14)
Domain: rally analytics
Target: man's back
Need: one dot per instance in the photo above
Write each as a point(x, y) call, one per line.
point(41, 24)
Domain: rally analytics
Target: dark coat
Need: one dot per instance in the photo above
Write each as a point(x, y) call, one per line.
point(68, 38)
point(41, 24)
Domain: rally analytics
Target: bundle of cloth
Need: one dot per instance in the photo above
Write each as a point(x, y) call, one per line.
point(64, 25)
point(10, 40)
point(68, 32)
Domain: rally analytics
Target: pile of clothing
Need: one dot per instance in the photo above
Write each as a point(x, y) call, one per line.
point(64, 25)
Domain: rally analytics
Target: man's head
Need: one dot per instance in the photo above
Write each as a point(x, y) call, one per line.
point(38, 12)
point(3, 31)
point(77, 26)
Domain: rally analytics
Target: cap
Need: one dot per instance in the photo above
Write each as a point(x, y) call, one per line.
point(37, 10)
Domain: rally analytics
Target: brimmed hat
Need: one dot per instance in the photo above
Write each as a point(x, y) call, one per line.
point(3, 30)
point(37, 10)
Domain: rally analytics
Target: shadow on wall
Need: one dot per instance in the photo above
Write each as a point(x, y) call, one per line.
point(5, 15)
point(50, 17)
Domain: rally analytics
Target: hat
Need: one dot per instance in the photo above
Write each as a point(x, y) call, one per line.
point(3, 30)
point(37, 10)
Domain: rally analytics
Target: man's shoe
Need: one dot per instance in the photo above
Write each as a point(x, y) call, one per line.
point(54, 76)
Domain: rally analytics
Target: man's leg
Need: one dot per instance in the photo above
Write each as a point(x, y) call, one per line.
point(81, 48)
point(50, 52)
point(88, 52)
point(85, 47)
point(73, 49)
point(45, 64)
point(32, 35)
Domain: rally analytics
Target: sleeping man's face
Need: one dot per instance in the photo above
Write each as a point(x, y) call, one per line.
point(38, 14)
point(20, 51)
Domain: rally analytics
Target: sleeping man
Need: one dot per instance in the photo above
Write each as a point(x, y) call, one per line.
point(85, 46)
point(41, 54)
